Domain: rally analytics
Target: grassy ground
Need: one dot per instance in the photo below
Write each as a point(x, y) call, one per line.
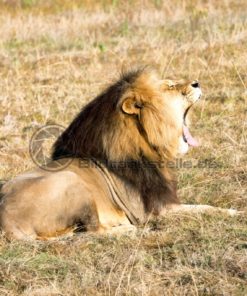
point(57, 55)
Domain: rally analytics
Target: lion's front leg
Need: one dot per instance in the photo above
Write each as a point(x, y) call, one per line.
point(197, 209)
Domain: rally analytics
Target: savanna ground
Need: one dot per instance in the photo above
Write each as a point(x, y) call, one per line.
point(57, 55)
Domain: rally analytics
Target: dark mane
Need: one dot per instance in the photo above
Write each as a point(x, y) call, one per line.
point(83, 136)
point(84, 139)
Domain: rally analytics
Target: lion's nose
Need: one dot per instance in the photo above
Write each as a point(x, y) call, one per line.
point(195, 84)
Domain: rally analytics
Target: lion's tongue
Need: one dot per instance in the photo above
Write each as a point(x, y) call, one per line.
point(190, 140)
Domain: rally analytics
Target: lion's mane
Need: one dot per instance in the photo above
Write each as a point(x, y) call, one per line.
point(134, 146)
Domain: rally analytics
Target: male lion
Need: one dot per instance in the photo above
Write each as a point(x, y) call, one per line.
point(119, 145)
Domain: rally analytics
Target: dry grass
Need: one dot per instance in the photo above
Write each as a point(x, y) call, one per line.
point(55, 57)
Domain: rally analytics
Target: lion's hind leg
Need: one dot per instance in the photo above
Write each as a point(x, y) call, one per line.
point(14, 230)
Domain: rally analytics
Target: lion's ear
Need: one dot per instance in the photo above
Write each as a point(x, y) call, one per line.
point(131, 106)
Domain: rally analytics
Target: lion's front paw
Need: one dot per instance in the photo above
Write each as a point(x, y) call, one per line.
point(233, 212)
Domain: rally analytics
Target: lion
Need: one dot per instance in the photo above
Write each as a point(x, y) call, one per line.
point(117, 177)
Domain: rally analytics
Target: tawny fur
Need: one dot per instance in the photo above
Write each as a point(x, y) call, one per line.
point(137, 120)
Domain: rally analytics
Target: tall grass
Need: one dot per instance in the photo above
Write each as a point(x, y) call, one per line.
point(55, 56)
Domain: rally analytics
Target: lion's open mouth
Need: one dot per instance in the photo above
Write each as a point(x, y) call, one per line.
point(188, 138)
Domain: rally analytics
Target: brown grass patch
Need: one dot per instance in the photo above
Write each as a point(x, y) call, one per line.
point(54, 58)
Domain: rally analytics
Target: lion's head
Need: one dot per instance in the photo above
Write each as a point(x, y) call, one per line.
point(138, 116)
